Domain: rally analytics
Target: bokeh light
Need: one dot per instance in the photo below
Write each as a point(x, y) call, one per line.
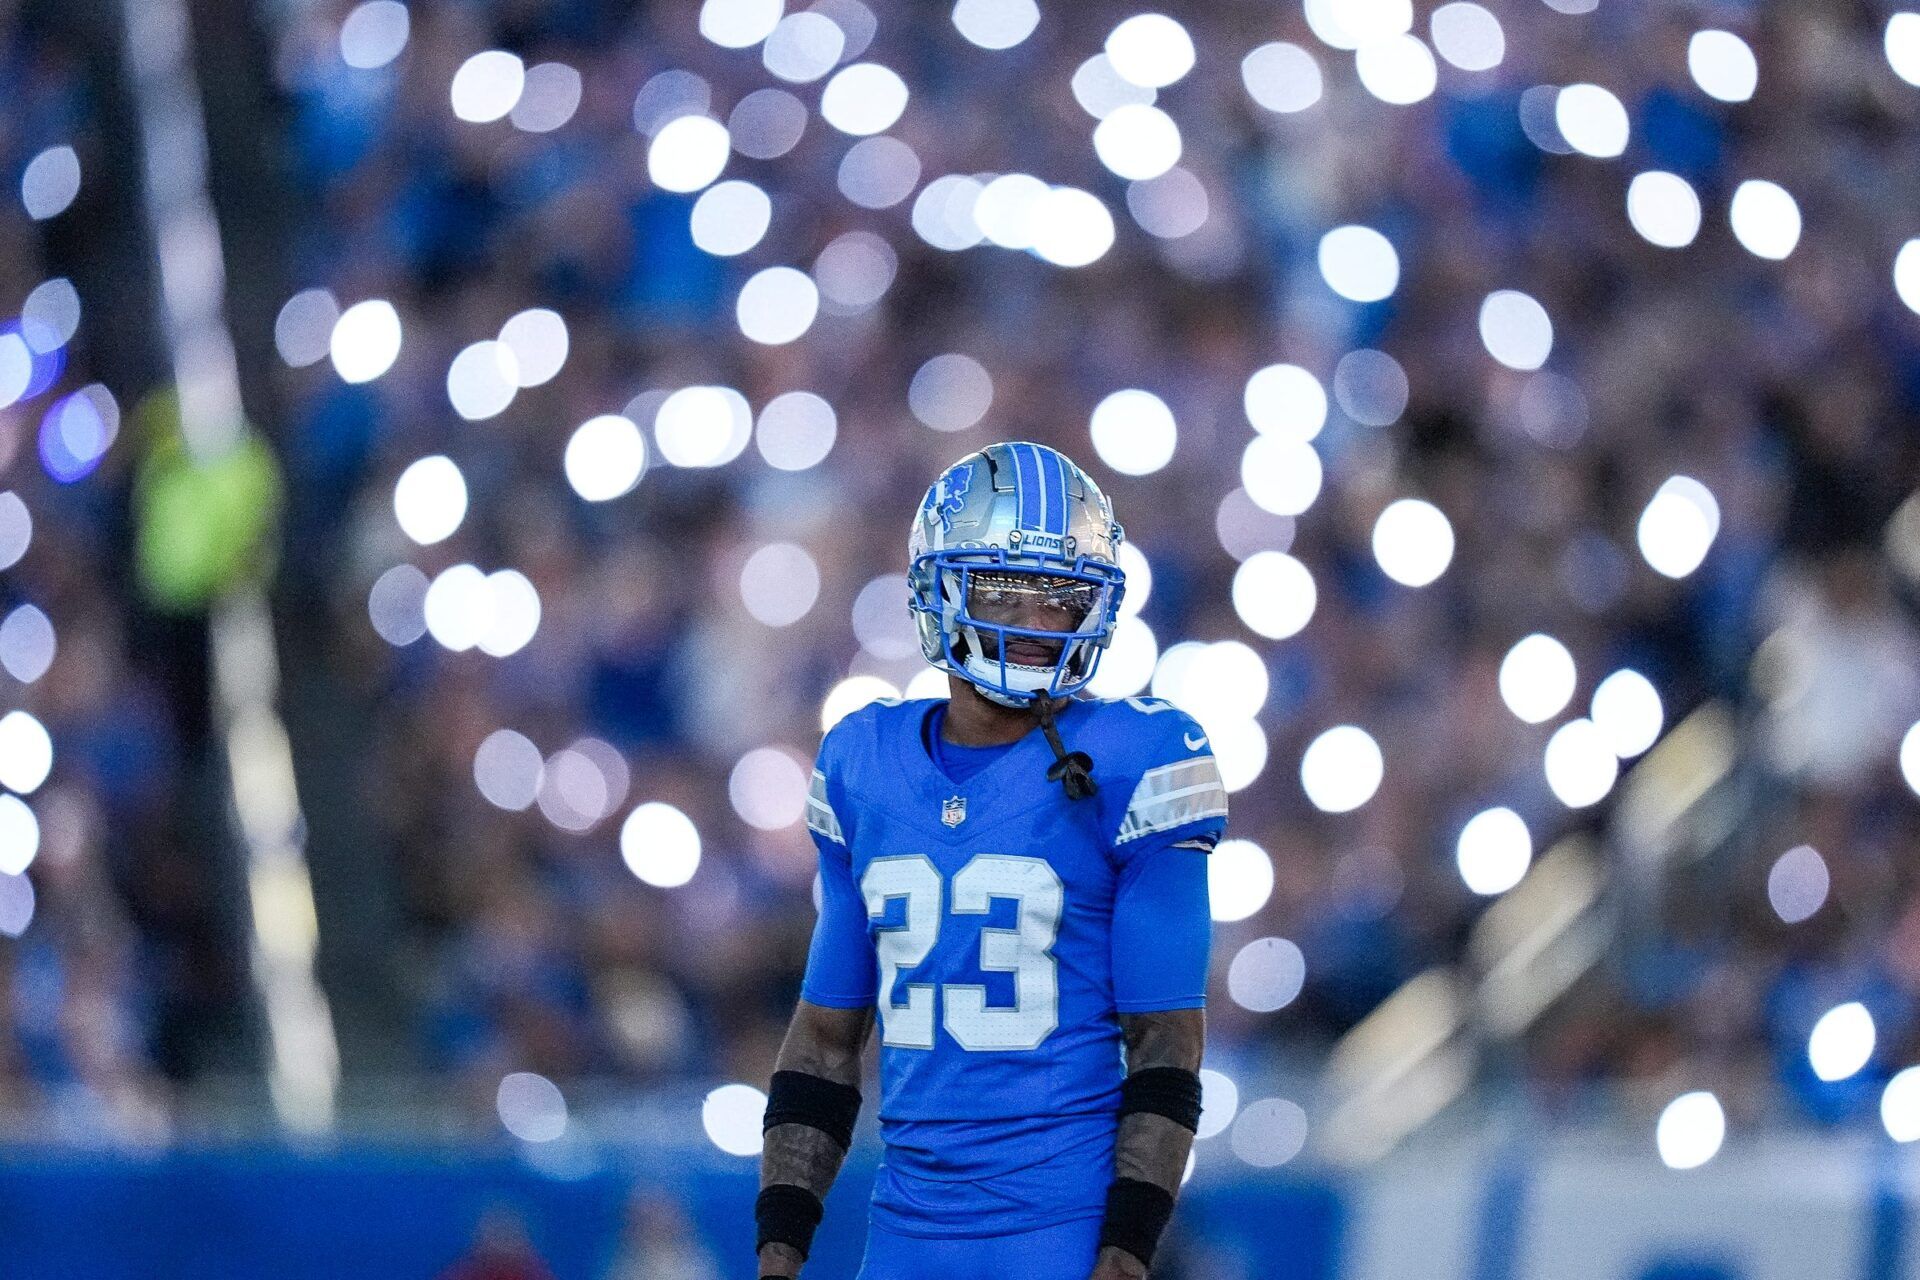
point(779, 584)
point(1370, 387)
point(303, 331)
point(1137, 141)
point(732, 1116)
point(537, 339)
point(1797, 884)
point(16, 905)
point(1283, 476)
point(703, 426)
point(531, 1107)
point(1663, 208)
point(879, 172)
point(863, 99)
point(804, 47)
point(660, 845)
point(549, 99)
point(1592, 120)
point(767, 123)
point(739, 24)
point(1285, 400)
point(430, 499)
point(1494, 851)
point(1678, 526)
point(768, 789)
point(1413, 542)
point(1274, 594)
point(16, 529)
point(1239, 880)
point(1906, 274)
point(1219, 1102)
point(1171, 206)
point(950, 392)
point(850, 695)
point(1150, 50)
point(1100, 90)
point(882, 622)
point(50, 182)
point(26, 752)
point(1902, 44)
point(605, 457)
point(27, 643)
point(365, 340)
point(1842, 1042)
point(487, 86)
point(688, 153)
point(1627, 708)
point(1342, 768)
point(996, 24)
point(1516, 329)
point(1537, 678)
point(943, 213)
point(1580, 765)
point(19, 836)
point(397, 604)
point(1909, 755)
point(1359, 263)
point(1133, 432)
point(1398, 70)
point(1900, 1106)
point(1765, 219)
point(483, 380)
point(508, 769)
point(1468, 36)
point(1269, 1132)
point(1266, 975)
point(1690, 1130)
point(668, 96)
point(1071, 228)
point(777, 305)
point(854, 271)
point(1282, 77)
point(1128, 664)
point(796, 431)
point(1722, 65)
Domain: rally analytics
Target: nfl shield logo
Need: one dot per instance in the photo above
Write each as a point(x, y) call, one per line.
point(954, 811)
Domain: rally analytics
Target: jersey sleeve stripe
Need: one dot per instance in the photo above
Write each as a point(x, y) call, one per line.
point(821, 819)
point(1173, 795)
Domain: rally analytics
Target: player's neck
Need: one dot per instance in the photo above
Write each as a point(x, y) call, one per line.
point(974, 721)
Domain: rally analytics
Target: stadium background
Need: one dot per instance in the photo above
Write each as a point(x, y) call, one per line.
point(457, 456)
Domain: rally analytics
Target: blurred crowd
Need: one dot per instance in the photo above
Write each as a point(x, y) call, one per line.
point(1790, 389)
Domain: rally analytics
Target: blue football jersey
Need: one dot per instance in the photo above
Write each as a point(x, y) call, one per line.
point(999, 928)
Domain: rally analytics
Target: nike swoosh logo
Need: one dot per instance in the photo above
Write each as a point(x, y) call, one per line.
point(1193, 743)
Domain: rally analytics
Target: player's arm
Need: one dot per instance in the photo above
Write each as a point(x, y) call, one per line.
point(810, 1113)
point(814, 1097)
point(1162, 933)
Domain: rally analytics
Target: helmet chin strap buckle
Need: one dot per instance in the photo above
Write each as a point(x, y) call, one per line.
point(1073, 770)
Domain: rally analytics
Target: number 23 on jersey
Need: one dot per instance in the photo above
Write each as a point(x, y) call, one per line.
point(1025, 951)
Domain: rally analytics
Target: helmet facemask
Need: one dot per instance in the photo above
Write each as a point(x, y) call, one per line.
point(1022, 631)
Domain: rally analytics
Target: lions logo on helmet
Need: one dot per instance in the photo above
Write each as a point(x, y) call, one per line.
point(1015, 522)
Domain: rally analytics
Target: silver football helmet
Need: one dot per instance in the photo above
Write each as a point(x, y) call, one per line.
point(1010, 536)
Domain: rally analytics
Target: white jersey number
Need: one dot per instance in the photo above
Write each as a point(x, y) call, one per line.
point(1025, 951)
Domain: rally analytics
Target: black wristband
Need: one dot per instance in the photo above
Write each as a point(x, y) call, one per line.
point(1137, 1212)
point(786, 1214)
point(800, 1097)
point(1173, 1092)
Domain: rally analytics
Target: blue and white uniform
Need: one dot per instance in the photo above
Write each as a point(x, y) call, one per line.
point(999, 928)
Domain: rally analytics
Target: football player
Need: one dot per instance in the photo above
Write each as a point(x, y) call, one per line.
point(1014, 884)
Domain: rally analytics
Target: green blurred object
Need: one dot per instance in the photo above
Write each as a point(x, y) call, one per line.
point(201, 528)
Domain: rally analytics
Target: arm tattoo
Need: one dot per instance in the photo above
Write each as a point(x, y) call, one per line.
point(827, 1043)
point(1151, 1147)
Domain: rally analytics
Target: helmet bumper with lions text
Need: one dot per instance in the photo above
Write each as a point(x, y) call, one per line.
point(1012, 512)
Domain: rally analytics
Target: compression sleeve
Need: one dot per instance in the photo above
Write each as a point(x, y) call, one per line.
point(1162, 926)
point(840, 963)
